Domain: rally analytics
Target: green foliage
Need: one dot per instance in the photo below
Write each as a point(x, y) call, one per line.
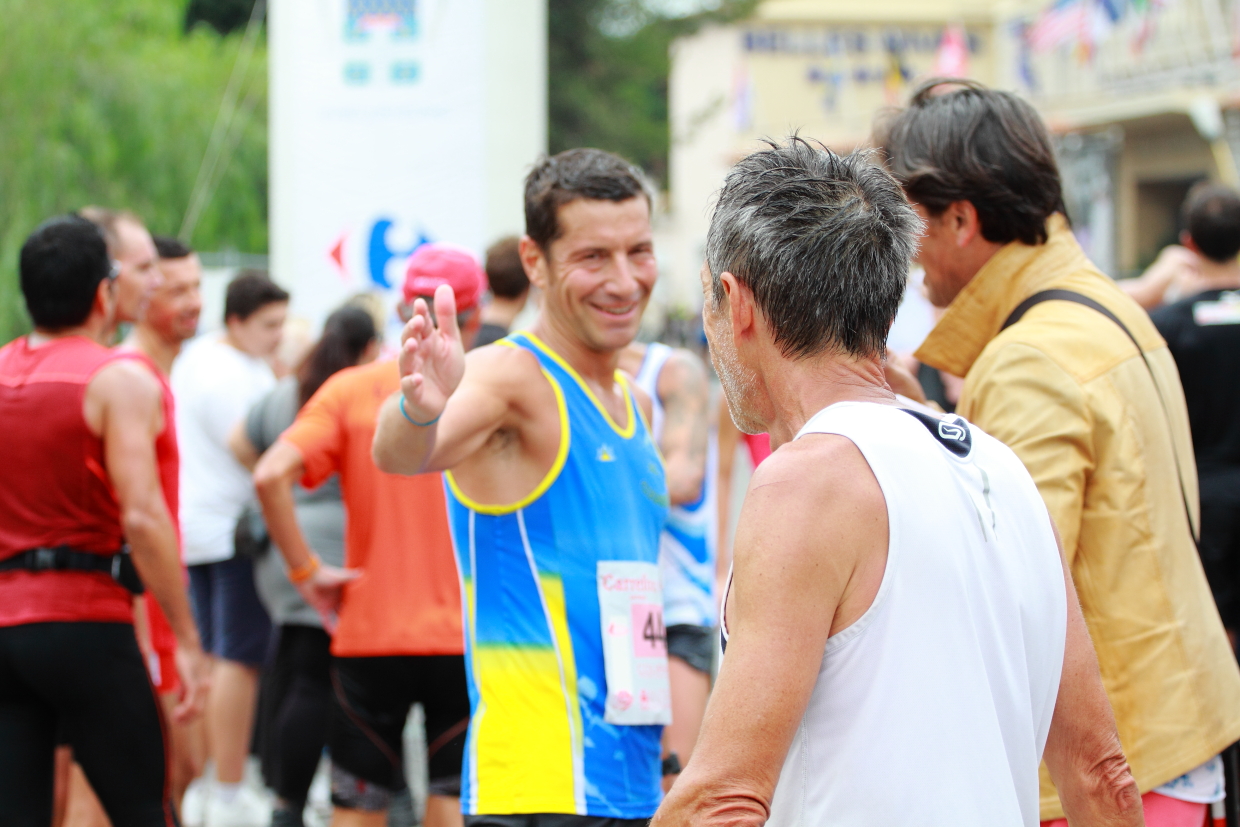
point(608, 64)
point(113, 104)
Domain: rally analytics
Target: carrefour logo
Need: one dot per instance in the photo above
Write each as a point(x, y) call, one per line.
point(382, 259)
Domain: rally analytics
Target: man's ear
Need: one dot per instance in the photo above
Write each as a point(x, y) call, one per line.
point(534, 261)
point(740, 304)
point(1186, 240)
point(965, 224)
point(105, 301)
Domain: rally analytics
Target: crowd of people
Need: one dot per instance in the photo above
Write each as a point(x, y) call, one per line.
point(216, 554)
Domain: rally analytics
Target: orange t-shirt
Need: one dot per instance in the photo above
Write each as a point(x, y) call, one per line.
point(407, 601)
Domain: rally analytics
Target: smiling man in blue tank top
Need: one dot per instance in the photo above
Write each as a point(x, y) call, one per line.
point(556, 498)
point(902, 640)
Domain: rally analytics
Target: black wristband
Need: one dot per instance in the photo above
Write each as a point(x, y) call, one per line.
point(671, 764)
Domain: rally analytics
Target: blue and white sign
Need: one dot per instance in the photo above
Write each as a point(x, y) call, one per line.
point(384, 134)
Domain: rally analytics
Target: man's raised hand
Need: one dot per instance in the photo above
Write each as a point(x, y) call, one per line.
point(432, 358)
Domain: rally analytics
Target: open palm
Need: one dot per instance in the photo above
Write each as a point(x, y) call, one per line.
point(432, 358)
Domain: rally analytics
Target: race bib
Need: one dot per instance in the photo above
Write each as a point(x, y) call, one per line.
point(630, 600)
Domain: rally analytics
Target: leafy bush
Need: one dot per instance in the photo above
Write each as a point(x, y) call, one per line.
point(113, 104)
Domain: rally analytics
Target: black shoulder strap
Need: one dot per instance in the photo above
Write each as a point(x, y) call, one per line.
point(1077, 298)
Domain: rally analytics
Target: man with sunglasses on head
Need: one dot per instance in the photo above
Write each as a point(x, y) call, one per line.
point(83, 526)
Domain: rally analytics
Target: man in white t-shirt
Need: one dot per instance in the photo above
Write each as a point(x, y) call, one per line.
point(216, 381)
point(903, 641)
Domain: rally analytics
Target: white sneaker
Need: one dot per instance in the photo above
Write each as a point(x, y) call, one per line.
point(194, 803)
point(246, 809)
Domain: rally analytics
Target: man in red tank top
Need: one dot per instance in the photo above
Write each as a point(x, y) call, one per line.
point(81, 479)
point(171, 318)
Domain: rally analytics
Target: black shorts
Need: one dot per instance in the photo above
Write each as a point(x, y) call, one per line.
point(88, 682)
point(695, 645)
point(374, 696)
point(553, 820)
point(1220, 556)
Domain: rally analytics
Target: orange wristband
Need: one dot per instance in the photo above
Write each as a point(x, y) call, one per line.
point(305, 571)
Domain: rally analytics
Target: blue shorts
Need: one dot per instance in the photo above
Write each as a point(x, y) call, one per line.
point(231, 620)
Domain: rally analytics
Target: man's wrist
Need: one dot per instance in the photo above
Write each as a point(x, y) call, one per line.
point(416, 421)
point(301, 573)
point(189, 640)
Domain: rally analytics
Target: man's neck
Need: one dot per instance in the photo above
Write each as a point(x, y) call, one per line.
point(235, 343)
point(799, 389)
point(158, 349)
point(1218, 276)
point(596, 367)
point(96, 330)
point(502, 312)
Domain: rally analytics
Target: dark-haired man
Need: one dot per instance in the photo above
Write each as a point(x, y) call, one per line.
point(74, 526)
point(510, 289)
point(557, 539)
point(1203, 332)
point(162, 320)
point(898, 607)
point(215, 382)
point(1069, 372)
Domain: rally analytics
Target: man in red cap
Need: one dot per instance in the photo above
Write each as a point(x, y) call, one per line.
point(395, 611)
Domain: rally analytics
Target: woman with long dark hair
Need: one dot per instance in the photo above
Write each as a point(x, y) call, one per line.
point(295, 691)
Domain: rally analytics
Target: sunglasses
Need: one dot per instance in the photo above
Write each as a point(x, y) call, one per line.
point(114, 271)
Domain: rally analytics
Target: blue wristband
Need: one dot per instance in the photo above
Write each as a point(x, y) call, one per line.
point(413, 421)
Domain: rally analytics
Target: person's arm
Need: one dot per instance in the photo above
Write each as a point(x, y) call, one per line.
point(813, 514)
point(460, 408)
point(125, 400)
point(1083, 752)
point(685, 394)
point(321, 585)
point(1175, 264)
point(241, 447)
point(1033, 406)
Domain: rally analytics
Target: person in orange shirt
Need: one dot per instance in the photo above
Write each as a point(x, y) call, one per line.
point(395, 610)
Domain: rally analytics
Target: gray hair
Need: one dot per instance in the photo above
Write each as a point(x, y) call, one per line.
point(823, 241)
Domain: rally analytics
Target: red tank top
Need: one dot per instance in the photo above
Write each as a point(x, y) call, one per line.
point(168, 457)
point(54, 490)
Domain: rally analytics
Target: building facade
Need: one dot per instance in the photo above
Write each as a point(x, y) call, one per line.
point(1143, 97)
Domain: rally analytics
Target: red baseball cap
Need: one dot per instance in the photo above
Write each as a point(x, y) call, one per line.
point(434, 264)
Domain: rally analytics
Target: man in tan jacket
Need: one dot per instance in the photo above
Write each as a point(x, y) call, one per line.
point(1081, 386)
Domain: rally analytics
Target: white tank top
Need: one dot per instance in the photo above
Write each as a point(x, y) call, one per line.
point(688, 545)
point(934, 707)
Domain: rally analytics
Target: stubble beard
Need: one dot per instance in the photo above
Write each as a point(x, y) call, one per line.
point(738, 385)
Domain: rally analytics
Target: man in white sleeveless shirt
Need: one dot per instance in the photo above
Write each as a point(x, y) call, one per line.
point(902, 643)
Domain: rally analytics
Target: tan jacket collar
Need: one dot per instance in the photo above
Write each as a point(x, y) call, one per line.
point(1012, 275)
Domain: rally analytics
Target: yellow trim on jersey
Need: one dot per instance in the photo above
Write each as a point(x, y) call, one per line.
point(628, 430)
point(556, 467)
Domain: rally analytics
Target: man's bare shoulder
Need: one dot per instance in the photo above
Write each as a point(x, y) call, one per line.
point(123, 380)
point(818, 478)
point(501, 364)
point(511, 373)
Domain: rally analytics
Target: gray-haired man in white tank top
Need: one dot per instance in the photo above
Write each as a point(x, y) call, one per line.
point(902, 643)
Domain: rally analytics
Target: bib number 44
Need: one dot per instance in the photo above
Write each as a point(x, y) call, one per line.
point(634, 643)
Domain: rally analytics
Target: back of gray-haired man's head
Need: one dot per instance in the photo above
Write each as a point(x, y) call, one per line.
point(824, 242)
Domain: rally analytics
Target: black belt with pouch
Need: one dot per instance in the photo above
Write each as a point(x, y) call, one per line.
point(118, 566)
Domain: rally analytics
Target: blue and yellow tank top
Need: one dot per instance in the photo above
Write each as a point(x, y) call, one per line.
point(537, 739)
